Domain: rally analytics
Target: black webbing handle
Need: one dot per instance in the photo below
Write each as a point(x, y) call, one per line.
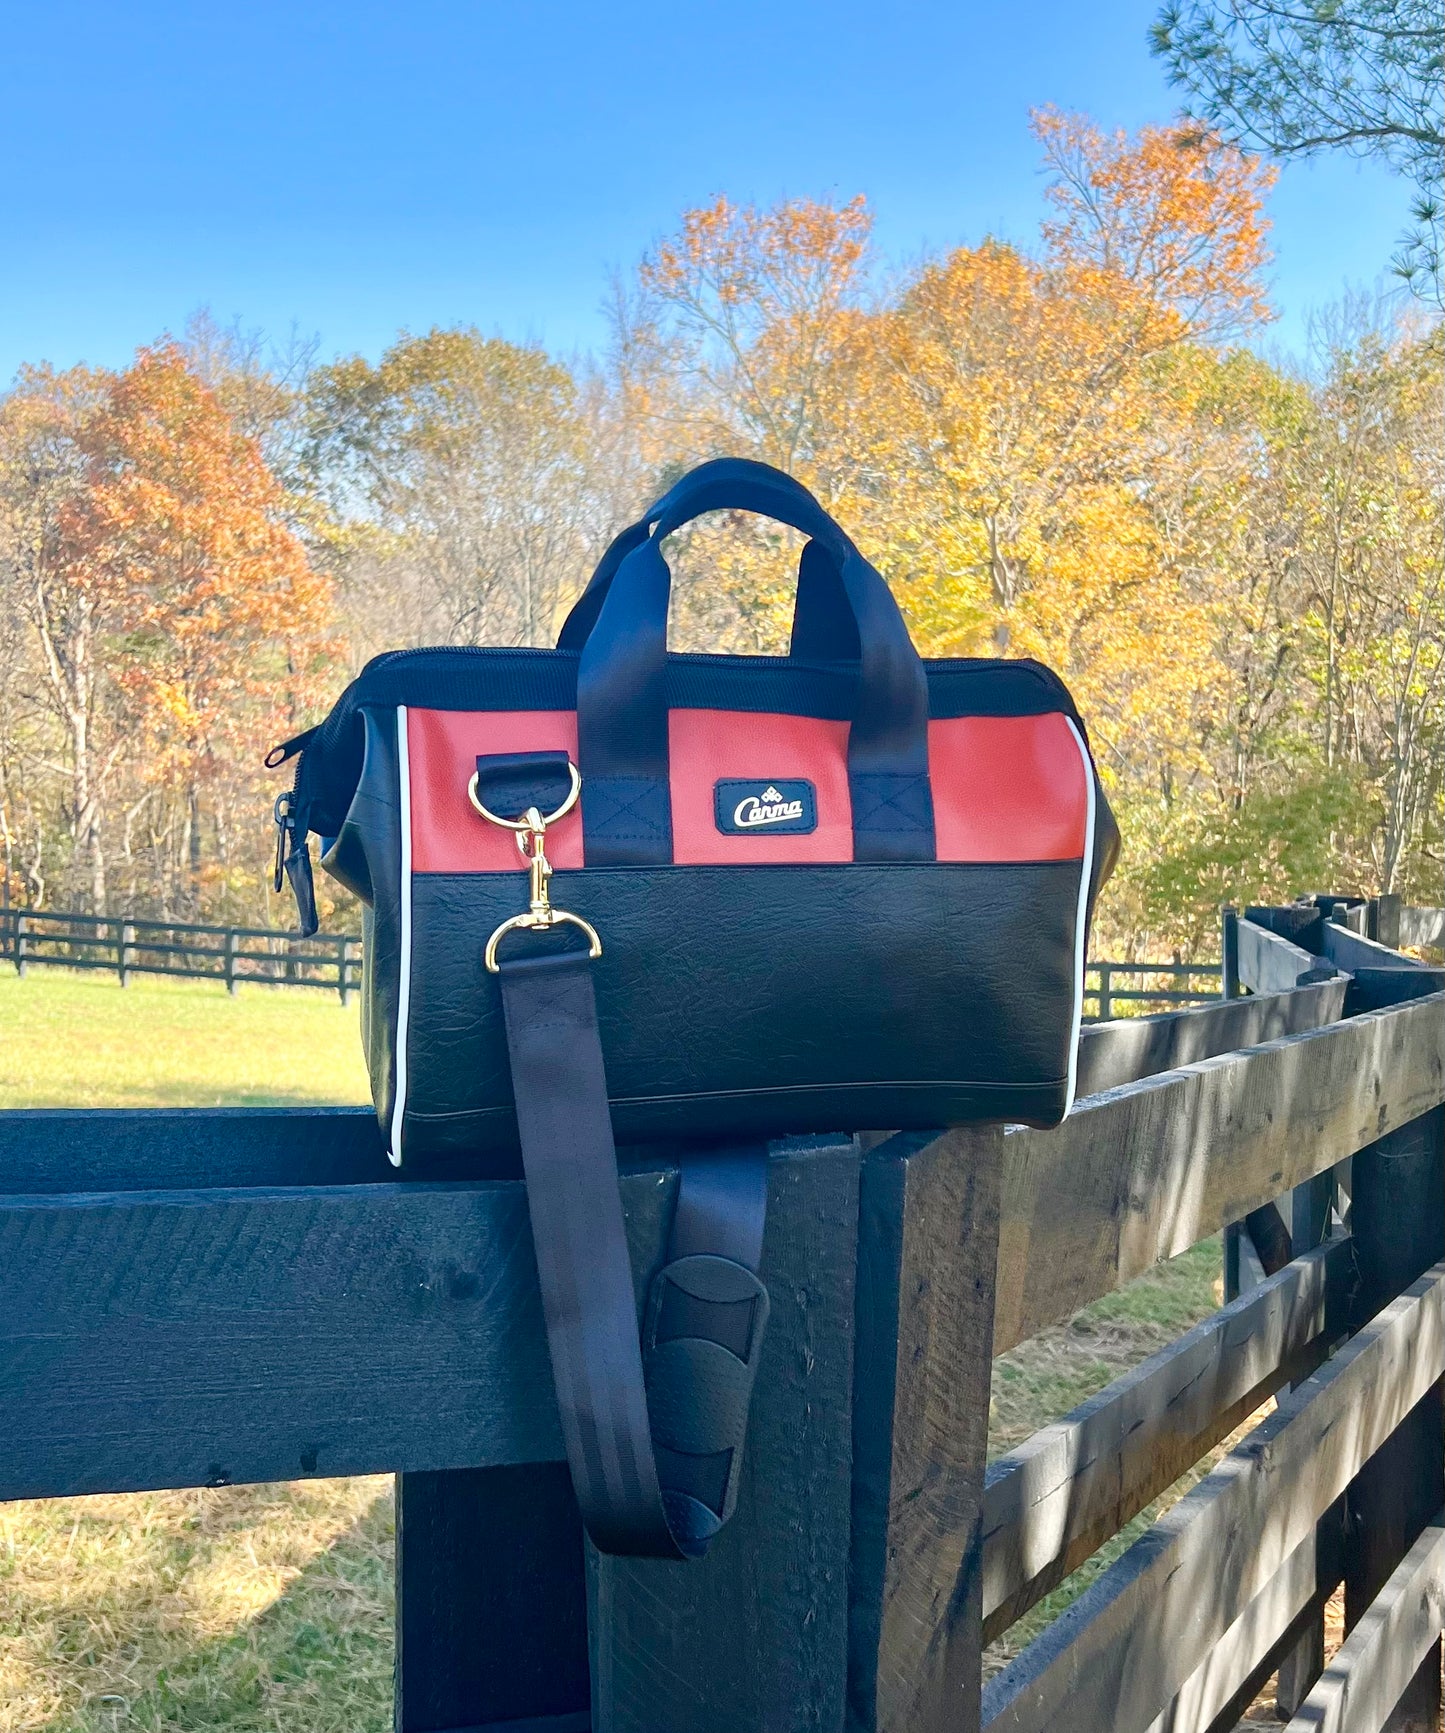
point(655, 1442)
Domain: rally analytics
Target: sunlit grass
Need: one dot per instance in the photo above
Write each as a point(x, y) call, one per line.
point(81, 1040)
point(245, 1608)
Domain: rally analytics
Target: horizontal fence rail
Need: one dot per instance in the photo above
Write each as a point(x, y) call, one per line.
point(1166, 1602)
point(1055, 1500)
point(127, 945)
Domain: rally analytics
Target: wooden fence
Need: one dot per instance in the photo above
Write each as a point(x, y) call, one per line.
point(124, 945)
point(1145, 987)
point(193, 1298)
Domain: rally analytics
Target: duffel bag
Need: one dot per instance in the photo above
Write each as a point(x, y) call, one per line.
point(610, 890)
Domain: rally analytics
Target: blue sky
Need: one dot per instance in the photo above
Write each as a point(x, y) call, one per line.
point(357, 168)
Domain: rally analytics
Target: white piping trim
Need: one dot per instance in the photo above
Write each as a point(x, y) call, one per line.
point(403, 1000)
point(1081, 922)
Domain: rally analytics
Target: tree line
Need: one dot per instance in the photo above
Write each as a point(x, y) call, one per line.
point(1074, 449)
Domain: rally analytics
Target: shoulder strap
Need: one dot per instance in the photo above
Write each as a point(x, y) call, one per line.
point(654, 1427)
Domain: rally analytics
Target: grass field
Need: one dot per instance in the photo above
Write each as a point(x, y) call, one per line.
point(268, 1609)
point(81, 1040)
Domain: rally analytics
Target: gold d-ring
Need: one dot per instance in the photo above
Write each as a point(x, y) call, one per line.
point(531, 838)
point(525, 823)
point(530, 923)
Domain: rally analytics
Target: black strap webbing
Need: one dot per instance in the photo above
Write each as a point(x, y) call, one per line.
point(659, 1490)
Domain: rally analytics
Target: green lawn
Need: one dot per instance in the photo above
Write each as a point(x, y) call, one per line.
point(268, 1609)
point(81, 1040)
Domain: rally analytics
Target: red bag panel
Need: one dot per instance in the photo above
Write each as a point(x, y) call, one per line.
point(1005, 788)
point(448, 834)
point(706, 747)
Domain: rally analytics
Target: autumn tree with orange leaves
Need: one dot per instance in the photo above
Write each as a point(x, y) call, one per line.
point(177, 618)
point(1062, 452)
point(1010, 432)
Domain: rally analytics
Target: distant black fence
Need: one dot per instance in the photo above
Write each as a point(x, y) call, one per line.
point(1147, 987)
point(125, 945)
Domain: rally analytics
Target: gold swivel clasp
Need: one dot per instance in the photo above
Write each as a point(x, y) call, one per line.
point(531, 836)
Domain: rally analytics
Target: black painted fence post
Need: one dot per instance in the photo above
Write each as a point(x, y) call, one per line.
point(491, 1606)
point(1310, 1208)
point(1229, 988)
point(927, 1262)
point(1398, 1221)
point(754, 1637)
point(491, 1595)
point(1382, 921)
point(1229, 953)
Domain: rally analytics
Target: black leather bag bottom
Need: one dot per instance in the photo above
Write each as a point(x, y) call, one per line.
point(739, 1001)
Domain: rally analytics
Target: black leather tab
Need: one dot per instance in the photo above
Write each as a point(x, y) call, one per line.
point(758, 805)
point(722, 1203)
point(303, 883)
point(704, 1332)
point(509, 782)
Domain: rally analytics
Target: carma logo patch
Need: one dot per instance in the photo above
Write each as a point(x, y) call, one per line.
point(787, 807)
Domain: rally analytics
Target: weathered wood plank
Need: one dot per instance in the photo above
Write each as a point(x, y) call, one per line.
point(1422, 927)
point(1378, 1659)
point(1051, 1503)
point(1300, 922)
point(181, 1148)
point(491, 1601)
point(1221, 1688)
point(1139, 1174)
point(927, 1235)
point(1370, 989)
point(1126, 1647)
point(1112, 1054)
point(1269, 963)
point(1353, 951)
point(753, 1638)
point(191, 1338)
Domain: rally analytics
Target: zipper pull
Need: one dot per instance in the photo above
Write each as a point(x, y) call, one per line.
point(293, 861)
point(278, 755)
point(285, 824)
